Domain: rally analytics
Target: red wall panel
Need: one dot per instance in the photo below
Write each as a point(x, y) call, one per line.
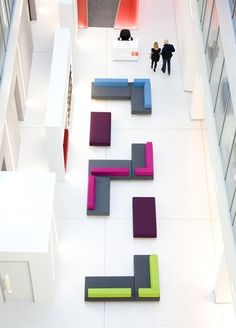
point(82, 13)
point(127, 14)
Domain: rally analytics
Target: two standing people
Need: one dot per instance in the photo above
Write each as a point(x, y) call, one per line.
point(166, 54)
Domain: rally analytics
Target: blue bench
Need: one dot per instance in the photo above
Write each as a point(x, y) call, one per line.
point(110, 82)
point(139, 92)
point(141, 102)
point(110, 89)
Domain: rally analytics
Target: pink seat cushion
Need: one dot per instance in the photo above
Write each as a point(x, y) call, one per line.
point(110, 171)
point(148, 170)
point(91, 192)
point(143, 172)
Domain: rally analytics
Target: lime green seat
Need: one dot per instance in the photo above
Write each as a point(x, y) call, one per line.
point(109, 292)
point(154, 290)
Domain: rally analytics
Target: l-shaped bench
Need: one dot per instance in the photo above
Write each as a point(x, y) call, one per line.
point(143, 286)
point(138, 91)
point(101, 172)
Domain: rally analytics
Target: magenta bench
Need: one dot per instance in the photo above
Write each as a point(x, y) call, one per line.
point(103, 172)
point(142, 161)
point(139, 167)
point(110, 171)
point(91, 192)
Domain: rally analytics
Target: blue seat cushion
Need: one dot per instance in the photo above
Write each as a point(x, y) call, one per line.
point(140, 82)
point(106, 82)
point(147, 95)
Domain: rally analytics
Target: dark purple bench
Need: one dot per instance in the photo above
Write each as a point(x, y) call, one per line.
point(100, 129)
point(144, 217)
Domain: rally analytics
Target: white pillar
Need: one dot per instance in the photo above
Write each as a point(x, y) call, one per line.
point(222, 289)
point(187, 49)
point(67, 18)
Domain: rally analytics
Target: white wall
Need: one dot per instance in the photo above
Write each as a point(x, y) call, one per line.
point(17, 66)
point(68, 18)
point(57, 101)
point(186, 43)
point(212, 138)
point(13, 129)
point(42, 274)
point(25, 45)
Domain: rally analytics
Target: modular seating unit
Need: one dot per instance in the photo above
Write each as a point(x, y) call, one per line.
point(110, 89)
point(98, 202)
point(146, 274)
point(143, 286)
point(109, 288)
point(114, 168)
point(142, 161)
point(144, 217)
point(101, 172)
point(141, 97)
point(100, 129)
point(138, 91)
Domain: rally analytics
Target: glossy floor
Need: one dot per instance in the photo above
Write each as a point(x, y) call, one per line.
point(188, 240)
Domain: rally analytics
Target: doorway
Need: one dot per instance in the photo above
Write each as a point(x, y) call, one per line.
point(15, 281)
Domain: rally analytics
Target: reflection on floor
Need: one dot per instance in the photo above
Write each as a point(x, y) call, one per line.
point(187, 225)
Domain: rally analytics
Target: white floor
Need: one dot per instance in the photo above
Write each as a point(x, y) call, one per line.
point(188, 234)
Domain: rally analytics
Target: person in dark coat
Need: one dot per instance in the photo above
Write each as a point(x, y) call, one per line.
point(166, 54)
point(155, 55)
point(125, 35)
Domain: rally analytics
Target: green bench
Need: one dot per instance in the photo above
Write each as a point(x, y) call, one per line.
point(143, 286)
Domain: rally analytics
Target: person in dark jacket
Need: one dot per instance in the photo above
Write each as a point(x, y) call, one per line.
point(166, 54)
point(155, 55)
point(125, 35)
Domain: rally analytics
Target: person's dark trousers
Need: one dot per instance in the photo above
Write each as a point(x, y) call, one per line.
point(166, 61)
point(154, 65)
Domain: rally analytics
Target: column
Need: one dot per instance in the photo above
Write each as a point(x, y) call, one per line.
point(222, 289)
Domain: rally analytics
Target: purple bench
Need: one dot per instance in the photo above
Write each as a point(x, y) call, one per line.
point(91, 192)
point(144, 217)
point(110, 171)
point(148, 169)
point(100, 129)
